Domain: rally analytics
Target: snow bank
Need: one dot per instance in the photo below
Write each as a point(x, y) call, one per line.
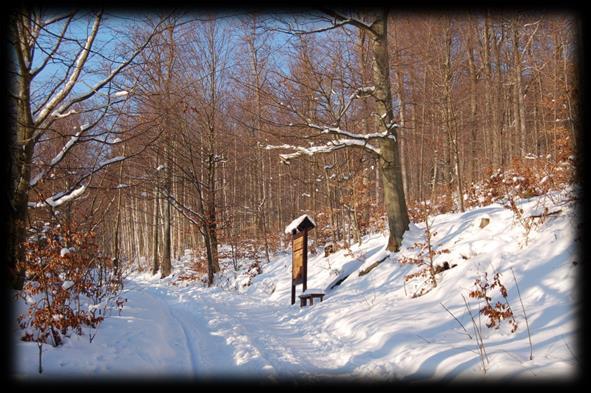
point(368, 326)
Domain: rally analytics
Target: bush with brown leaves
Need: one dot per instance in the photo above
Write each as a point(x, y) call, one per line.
point(70, 285)
point(497, 311)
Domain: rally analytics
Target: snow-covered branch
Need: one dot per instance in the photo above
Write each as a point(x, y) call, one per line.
point(110, 161)
point(187, 212)
point(77, 69)
point(60, 198)
point(59, 156)
point(62, 115)
point(352, 135)
point(348, 20)
point(77, 189)
point(99, 85)
point(359, 93)
point(59, 97)
point(328, 147)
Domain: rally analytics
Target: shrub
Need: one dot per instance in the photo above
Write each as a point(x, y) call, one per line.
point(496, 312)
point(70, 285)
point(426, 252)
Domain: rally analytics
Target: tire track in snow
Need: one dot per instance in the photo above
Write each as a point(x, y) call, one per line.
point(190, 344)
point(193, 357)
point(212, 354)
point(228, 333)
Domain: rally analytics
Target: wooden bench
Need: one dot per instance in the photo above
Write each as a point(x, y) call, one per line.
point(310, 294)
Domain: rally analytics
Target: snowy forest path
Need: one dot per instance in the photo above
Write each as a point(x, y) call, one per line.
point(234, 334)
point(189, 341)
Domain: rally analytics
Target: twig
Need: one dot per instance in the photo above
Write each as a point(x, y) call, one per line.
point(481, 348)
point(40, 346)
point(531, 349)
point(423, 338)
point(545, 214)
point(446, 309)
point(571, 351)
point(372, 266)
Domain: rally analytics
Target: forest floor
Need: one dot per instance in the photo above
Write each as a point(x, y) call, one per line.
point(368, 327)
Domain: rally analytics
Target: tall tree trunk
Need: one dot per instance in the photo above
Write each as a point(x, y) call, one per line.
point(518, 92)
point(166, 267)
point(389, 163)
point(155, 239)
point(20, 148)
point(490, 112)
point(212, 216)
point(21, 153)
point(474, 169)
point(401, 101)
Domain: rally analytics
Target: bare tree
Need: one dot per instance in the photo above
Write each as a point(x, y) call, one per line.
point(383, 144)
point(37, 40)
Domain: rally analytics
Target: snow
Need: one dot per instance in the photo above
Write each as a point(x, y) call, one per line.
point(352, 135)
point(295, 223)
point(368, 326)
point(64, 251)
point(111, 161)
point(68, 284)
point(328, 147)
point(312, 291)
point(59, 156)
point(66, 147)
point(62, 115)
point(121, 93)
point(59, 199)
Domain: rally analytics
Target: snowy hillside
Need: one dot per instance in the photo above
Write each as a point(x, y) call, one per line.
point(368, 326)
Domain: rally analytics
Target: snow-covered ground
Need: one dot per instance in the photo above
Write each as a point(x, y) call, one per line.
point(369, 326)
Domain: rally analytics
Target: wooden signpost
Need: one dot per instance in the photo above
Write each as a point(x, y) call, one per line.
point(299, 262)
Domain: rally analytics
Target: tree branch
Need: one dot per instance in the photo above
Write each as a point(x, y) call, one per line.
point(329, 147)
point(79, 64)
point(348, 20)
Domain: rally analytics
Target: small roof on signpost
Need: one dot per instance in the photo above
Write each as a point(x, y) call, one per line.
point(300, 224)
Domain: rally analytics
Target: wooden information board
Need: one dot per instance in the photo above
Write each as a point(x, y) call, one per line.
point(298, 257)
point(299, 228)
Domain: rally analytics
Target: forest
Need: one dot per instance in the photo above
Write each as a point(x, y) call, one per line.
point(139, 138)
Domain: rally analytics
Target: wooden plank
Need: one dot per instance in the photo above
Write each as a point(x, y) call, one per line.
point(298, 259)
point(297, 272)
point(298, 243)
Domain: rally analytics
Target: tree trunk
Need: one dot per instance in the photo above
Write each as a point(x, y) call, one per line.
point(166, 257)
point(518, 93)
point(474, 169)
point(156, 263)
point(20, 149)
point(389, 163)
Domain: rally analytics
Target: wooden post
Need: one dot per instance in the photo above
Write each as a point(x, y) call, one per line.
point(298, 262)
point(305, 261)
point(299, 245)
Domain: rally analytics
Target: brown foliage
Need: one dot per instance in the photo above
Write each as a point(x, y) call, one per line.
point(498, 311)
point(70, 283)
